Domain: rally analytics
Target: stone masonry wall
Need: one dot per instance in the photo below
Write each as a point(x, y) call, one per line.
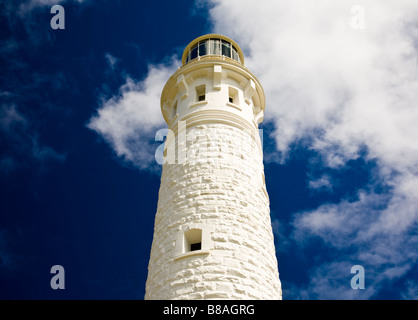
point(219, 189)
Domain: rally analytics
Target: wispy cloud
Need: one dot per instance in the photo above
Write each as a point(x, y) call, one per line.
point(10, 117)
point(22, 141)
point(27, 6)
point(411, 291)
point(24, 21)
point(322, 183)
point(111, 61)
point(21, 144)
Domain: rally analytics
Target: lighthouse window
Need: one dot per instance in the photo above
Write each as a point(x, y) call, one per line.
point(193, 240)
point(226, 49)
point(203, 48)
point(195, 246)
point(213, 47)
point(235, 55)
point(201, 92)
point(193, 52)
point(233, 95)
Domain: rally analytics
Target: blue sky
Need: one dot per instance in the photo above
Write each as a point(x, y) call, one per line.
point(79, 109)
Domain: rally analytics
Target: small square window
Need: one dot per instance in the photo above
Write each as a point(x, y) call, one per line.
point(195, 246)
point(201, 92)
point(192, 240)
point(233, 95)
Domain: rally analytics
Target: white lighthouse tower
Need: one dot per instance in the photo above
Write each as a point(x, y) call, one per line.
point(212, 235)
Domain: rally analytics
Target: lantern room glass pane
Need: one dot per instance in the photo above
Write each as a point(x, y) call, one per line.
point(212, 46)
point(226, 49)
point(203, 48)
point(215, 48)
point(234, 54)
point(193, 53)
point(209, 46)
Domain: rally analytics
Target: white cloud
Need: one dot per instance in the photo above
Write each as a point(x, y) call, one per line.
point(319, 73)
point(322, 183)
point(343, 224)
point(345, 90)
point(411, 292)
point(26, 6)
point(333, 277)
point(129, 120)
point(387, 250)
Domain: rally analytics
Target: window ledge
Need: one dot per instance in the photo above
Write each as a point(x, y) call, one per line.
point(233, 105)
point(200, 103)
point(191, 253)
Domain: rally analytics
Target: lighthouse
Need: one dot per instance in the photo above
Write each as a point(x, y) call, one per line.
point(212, 233)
